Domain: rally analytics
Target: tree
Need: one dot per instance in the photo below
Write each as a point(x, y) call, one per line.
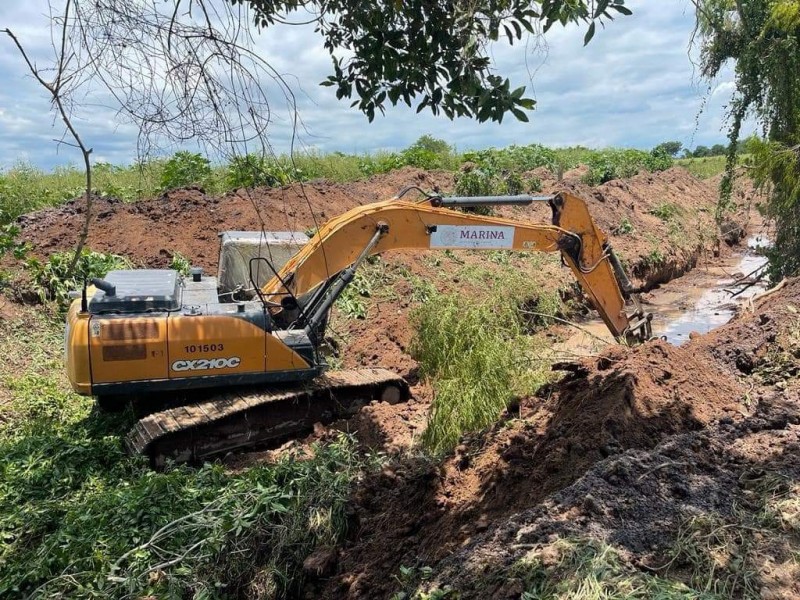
point(718, 150)
point(701, 152)
point(59, 87)
point(431, 144)
point(671, 148)
point(762, 38)
point(432, 50)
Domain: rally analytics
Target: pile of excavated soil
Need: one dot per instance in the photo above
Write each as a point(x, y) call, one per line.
point(637, 499)
point(188, 221)
point(625, 447)
point(625, 399)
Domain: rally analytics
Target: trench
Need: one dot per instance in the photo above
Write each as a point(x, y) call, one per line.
point(696, 302)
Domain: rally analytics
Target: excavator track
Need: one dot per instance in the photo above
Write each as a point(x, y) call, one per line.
point(256, 416)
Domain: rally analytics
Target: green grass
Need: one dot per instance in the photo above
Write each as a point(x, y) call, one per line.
point(584, 569)
point(705, 167)
point(665, 211)
point(24, 188)
point(81, 518)
point(478, 358)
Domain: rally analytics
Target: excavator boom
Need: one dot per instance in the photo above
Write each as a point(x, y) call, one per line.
point(397, 224)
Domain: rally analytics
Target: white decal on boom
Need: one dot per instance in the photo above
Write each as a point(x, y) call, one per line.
point(204, 364)
point(472, 236)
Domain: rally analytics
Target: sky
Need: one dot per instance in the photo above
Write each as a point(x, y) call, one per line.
point(634, 85)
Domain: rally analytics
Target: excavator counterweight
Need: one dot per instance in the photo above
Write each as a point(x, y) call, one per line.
point(175, 342)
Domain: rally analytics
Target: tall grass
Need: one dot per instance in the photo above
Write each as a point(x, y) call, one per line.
point(478, 360)
point(705, 167)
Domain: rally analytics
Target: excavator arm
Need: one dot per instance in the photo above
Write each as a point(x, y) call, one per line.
point(326, 264)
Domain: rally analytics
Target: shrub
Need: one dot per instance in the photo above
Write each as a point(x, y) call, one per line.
point(185, 169)
point(665, 211)
point(51, 280)
point(251, 171)
point(180, 263)
point(478, 182)
point(606, 165)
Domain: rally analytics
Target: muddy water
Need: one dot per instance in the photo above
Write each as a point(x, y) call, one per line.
point(697, 302)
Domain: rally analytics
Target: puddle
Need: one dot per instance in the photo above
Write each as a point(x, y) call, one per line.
point(697, 302)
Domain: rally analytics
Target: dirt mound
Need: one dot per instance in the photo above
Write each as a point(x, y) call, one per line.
point(625, 399)
point(699, 483)
point(188, 221)
point(758, 335)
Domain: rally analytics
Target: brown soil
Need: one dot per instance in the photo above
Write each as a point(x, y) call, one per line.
point(623, 449)
point(187, 221)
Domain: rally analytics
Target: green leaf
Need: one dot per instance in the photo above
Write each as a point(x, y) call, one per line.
point(521, 116)
point(602, 5)
point(589, 34)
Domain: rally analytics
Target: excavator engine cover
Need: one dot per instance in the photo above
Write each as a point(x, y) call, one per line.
point(139, 291)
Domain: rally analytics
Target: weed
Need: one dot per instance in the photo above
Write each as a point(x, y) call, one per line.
point(412, 579)
point(185, 169)
point(605, 165)
point(368, 278)
point(533, 184)
point(180, 263)
point(665, 211)
point(51, 281)
point(478, 182)
point(81, 518)
point(500, 257)
point(655, 258)
point(474, 354)
point(513, 184)
point(716, 554)
point(705, 167)
point(422, 290)
point(9, 242)
point(625, 227)
point(251, 171)
point(590, 570)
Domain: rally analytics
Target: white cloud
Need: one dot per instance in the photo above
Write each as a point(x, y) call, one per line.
point(633, 85)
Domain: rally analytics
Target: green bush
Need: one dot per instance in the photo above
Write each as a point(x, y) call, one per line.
point(666, 211)
point(516, 159)
point(606, 165)
point(185, 169)
point(51, 280)
point(180, 263)
point(478, 182)
point(251, 171)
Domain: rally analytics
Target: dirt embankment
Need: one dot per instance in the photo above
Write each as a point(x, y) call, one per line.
point(626, 448)
point(187, 221)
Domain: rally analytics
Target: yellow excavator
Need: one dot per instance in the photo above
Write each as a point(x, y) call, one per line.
point(219, 369)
